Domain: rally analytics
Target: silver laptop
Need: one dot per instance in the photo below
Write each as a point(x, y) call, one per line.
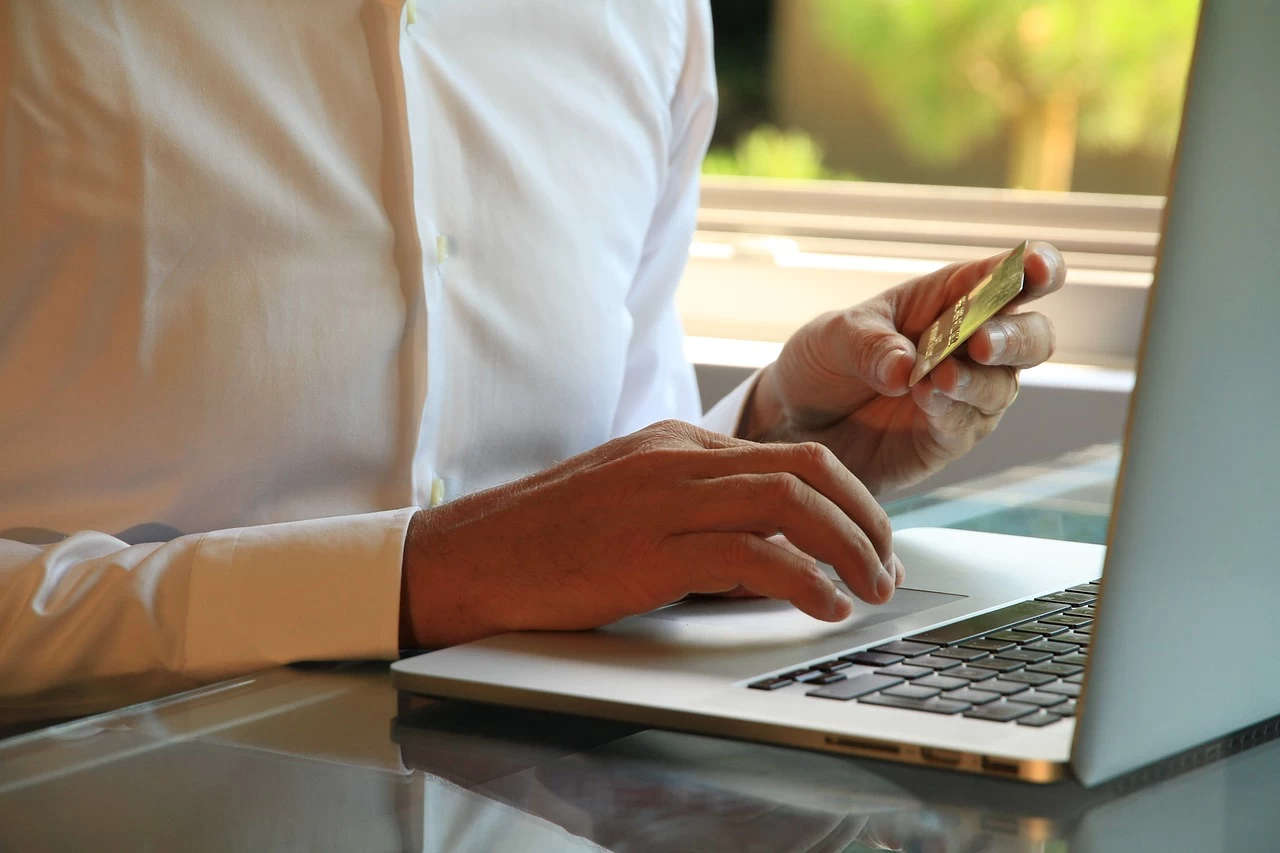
point(1011, 656)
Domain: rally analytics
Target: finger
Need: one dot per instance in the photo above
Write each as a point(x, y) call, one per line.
point(717, 561)
point(1016, 340)
point(917, 303)
point(1045, 271)
point(954, 427)
point(779, 502)
point(990, 390)
point(815, 465)
point(875, 351)
point(741, 591)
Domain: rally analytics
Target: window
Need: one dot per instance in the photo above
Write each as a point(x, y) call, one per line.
point(861, 142)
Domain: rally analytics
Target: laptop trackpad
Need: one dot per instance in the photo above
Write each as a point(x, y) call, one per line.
point(765, 620)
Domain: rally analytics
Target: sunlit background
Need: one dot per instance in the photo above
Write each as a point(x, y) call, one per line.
point(1079, 95)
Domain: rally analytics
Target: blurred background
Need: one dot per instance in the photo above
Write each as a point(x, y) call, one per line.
point(863, 142)
point(1055, 95)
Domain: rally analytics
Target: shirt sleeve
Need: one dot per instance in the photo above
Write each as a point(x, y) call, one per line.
point(659, 381)
point(92, 622)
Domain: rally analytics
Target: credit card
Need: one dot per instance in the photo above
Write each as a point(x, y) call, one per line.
point(954, 326)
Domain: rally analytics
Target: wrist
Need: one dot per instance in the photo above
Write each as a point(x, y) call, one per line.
point(763, 418)
point(444, 600)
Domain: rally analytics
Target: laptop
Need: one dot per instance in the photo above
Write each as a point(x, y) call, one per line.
point(1017, 657)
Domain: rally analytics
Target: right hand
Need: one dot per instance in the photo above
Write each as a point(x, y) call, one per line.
point(641, 522)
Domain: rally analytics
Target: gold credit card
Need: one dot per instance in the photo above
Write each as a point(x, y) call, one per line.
point(954, 326)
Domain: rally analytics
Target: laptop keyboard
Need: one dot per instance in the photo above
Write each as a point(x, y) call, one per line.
point(1023, 663)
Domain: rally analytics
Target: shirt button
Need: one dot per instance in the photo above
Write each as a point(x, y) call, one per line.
point(437, 491)
point(445, 248)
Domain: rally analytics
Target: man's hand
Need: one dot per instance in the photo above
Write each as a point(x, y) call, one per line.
point(641, 522)
point(842, 379)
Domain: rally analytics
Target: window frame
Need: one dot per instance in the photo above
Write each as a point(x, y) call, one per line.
point(769, 255)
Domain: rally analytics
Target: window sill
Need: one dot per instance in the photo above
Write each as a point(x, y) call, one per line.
point(771, 255)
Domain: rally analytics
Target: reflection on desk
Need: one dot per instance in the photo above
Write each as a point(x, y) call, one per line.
point(333, 759)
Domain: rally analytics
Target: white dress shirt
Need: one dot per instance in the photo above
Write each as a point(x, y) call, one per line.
point(273, 273)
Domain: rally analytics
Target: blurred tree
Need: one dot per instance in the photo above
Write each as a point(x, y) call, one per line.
point(767, 152)
point(951, 73)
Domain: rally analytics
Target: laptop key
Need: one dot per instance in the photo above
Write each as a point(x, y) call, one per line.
point(1001, 712)
point(1066, 709)
point(852, 688)
point(942, 682)
point(1088, 611)
point(1055, 669)
point(805, 675)
point(1012, 636)
point(1051, 646)
point(1024, 655)
point(1072, 598)
point(936, 705)
point(1074, 637)
point(1067, 619)
point(969, 673)
point(1044, 700)
point(903, 670)
point(833, 665)
point(1087, 588)
point(913, 691)
point(1039, 718)
point(1079, 658)
point(829, 677)
point(961, 653)
point(973, 696)
point(1035, 679)
point(998, 664)
point(1078, 678)
point(985, 645)
point(905, 647)
point(1003, 687)
point(976, 626)
point(1068, 690)
point(933, 662)
point(873, 658)
point(1044, 629)
point(770, 683)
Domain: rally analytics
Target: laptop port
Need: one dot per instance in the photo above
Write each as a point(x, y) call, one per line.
point(864, 745)
point(944, 757)
point(995, 765)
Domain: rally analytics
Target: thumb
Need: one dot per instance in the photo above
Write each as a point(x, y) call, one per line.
point(880, 355)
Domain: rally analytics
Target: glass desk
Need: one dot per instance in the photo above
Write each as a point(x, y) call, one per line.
point(332, 758)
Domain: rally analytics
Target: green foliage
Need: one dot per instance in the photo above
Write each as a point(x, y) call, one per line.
point(767, 152)
point(950, 73)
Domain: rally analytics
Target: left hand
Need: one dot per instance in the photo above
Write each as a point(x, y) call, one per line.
point(842, 379)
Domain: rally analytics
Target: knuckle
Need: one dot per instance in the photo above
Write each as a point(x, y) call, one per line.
point(1050, 336)
point(664, 434)
point(1016, 337)
point(784, 489)
point(740, 549)
point(878, 528)
point(815, 454)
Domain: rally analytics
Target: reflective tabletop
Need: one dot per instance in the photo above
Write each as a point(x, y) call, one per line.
point(330, 757)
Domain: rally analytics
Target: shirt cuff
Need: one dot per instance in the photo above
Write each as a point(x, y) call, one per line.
point(725, 415)
point(320, 589)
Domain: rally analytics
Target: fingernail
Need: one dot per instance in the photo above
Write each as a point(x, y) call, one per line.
point(899, 572)
point(844, 605)
point(889, 361)
point(884, 585)
point(998, 340)
point(962, 376)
